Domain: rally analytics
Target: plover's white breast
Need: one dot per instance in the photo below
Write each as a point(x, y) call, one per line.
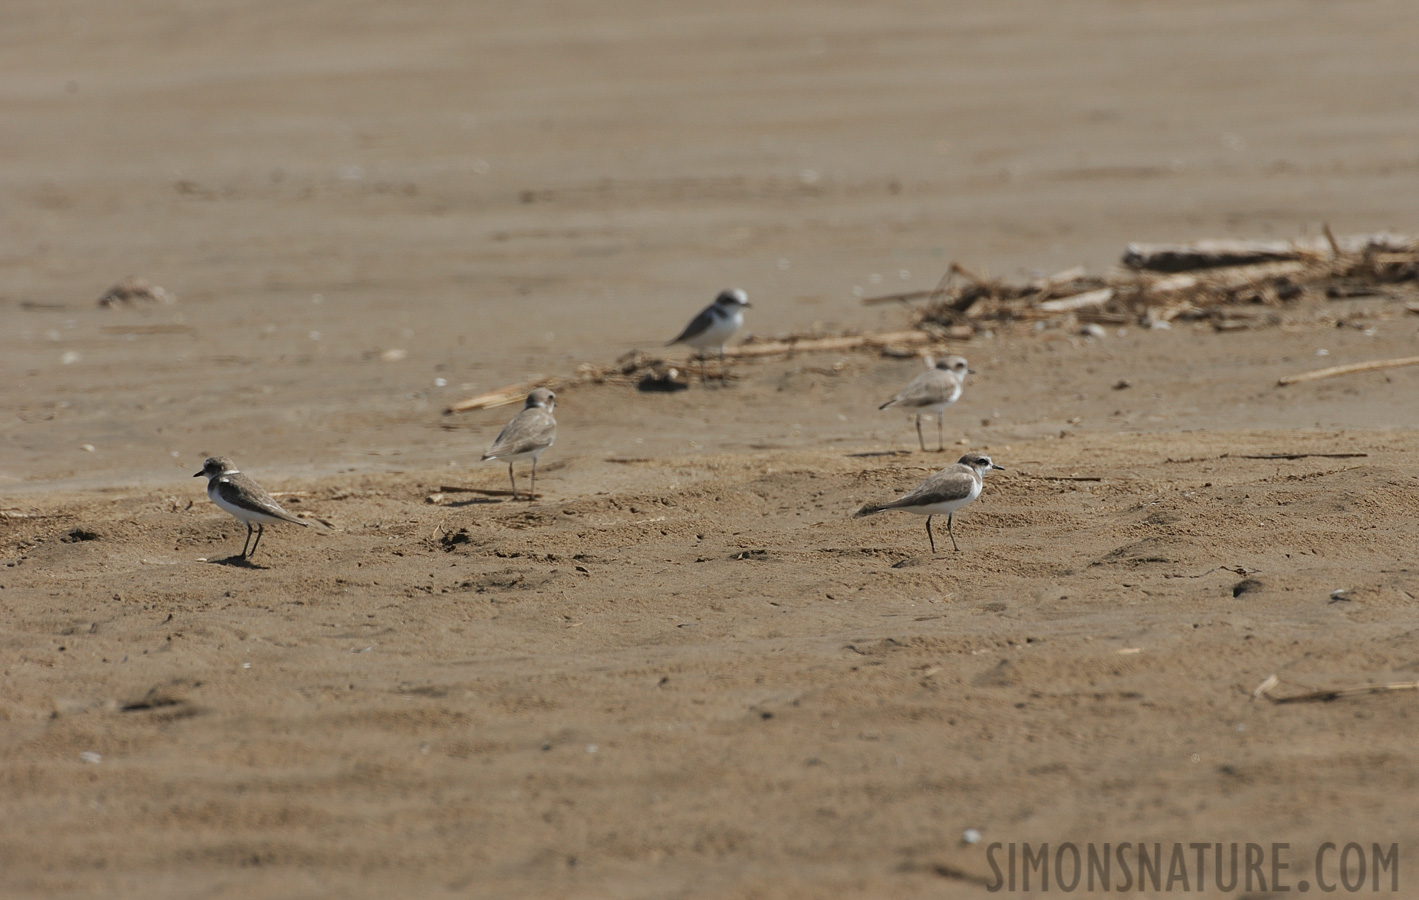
point(721, 328)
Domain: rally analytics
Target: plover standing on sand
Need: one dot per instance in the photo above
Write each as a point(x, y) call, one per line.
point(944, 492)
point(526, 436)
point(714, 326)
point(248, 501)
point(931, 392)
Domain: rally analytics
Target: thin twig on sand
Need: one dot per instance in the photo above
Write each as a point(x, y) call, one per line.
point(1292, 455)
point(635, 365)
point(1351, 368)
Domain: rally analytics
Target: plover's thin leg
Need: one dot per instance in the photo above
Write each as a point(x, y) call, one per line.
point(723, 372)
point(533, 494)
point(513, 479)
point(260, 530)
point(940, 443)
point(949, 517)
point(247, 541)
point(919, 439)
point(929, 536)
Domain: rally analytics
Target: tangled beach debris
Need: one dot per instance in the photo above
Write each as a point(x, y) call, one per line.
point(1232, 284)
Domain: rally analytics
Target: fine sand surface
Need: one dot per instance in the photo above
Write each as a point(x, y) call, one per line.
point(684, 669)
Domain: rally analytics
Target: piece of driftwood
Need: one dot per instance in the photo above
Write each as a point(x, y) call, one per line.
point(1264, 691)
point(1211, 254)
point(1078, 301)
point(1292, 455)
point(1350, 369)
point(1225, 277)
point(503, 395)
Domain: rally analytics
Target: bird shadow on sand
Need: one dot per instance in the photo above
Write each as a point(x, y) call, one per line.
point(486, 501)
point(237, 561)
point(923, 560)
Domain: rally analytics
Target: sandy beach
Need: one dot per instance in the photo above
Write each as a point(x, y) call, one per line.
point(685, 669)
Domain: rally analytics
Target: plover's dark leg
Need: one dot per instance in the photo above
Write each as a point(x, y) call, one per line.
point(723, 372)
point(919, 439)
point(513, 479)
point(940, 443)
point(247, 541)
point(260, 530)
point(929, 536)
point(532, 495)
point(949, 517)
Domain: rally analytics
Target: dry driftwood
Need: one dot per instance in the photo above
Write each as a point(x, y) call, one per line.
point(1217, 253)
point(1206, 280)
point(1079, 301)
point(635, 365)
point(1264, 691)
point(1292, 455)
point(1350, 369)
point(504, 395)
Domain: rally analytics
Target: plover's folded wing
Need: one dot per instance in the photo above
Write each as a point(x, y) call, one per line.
point(533, 429)
point(244, 493)
point(698, 326)
point(926, 389)
point(950, 485)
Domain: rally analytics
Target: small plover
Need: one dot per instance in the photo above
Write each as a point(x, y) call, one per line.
point(944, 492)
point(248, 501)
point(931, 392)
point(526, 436)
point(714, 326)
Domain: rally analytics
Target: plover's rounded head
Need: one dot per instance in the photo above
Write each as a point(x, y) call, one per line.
point(732, 298)
point(216, 465)
point(541, 397)
point(956, 365)
point(978, 461)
